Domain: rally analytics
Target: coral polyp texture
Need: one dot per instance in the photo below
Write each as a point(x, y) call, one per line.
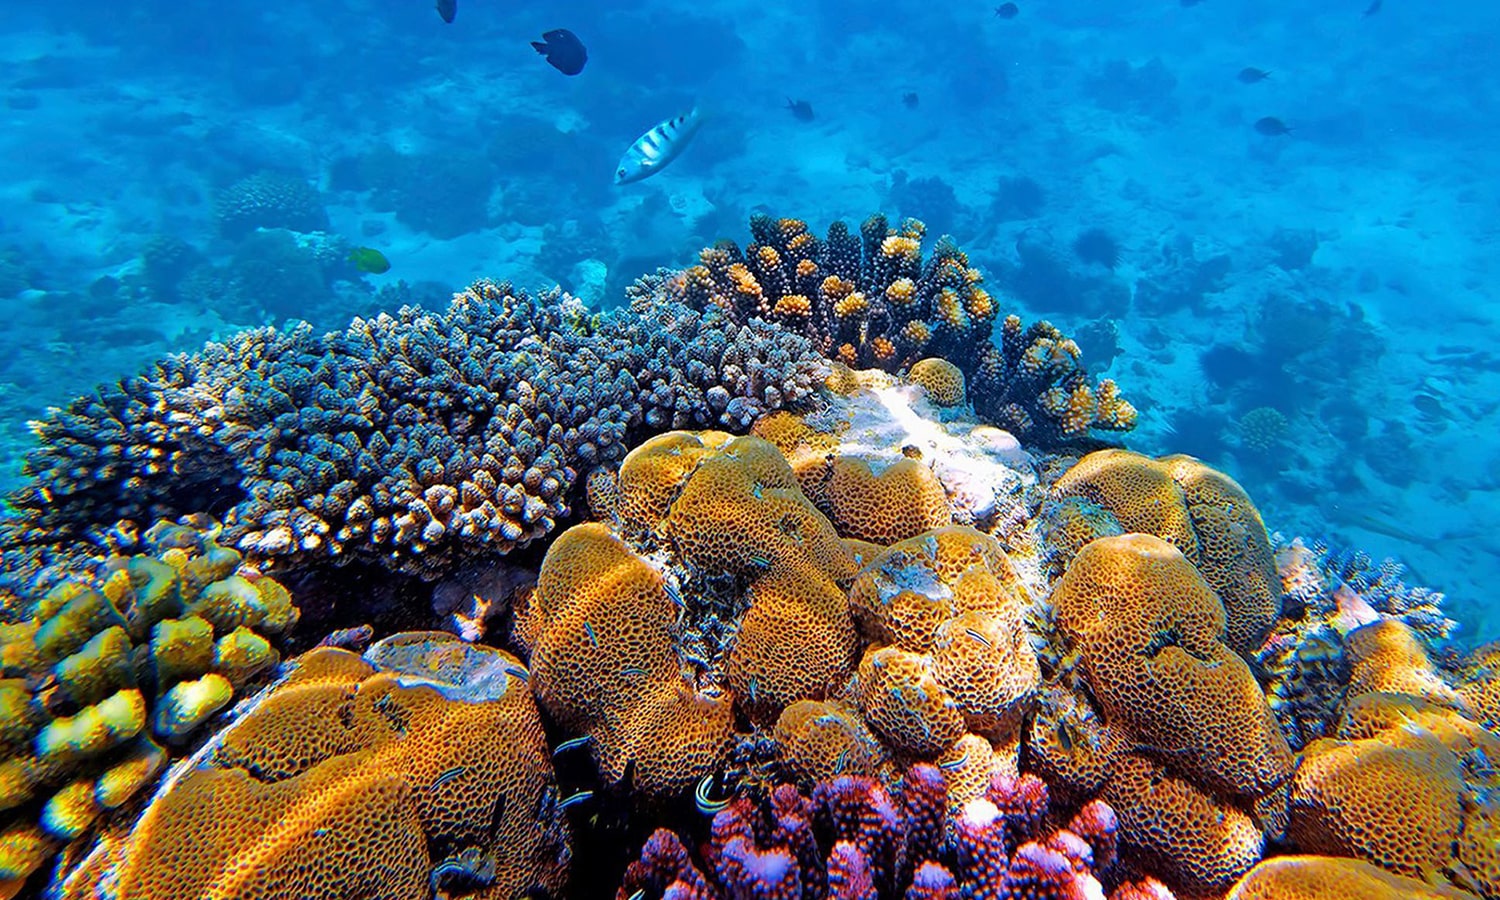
point(1335, 878)
point(1167, 721)
point(105, 677)
point(419, 768)
point(650, 661)
point(875, 301)
point(851, 838)
point(1199, 510)
point(411, 440)
point(269, 200)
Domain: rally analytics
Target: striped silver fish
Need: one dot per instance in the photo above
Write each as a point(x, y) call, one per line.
point(656, 148)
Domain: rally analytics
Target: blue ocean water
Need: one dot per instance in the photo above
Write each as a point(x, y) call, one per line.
point(1310, 311)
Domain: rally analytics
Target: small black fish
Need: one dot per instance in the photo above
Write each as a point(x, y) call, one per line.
point(564, 51)
point(1250, 75)
point(802, 111)
point(911, 99)
point(1272, 127)
point(1007, 11)
point(447, 9)
point(1373, 8)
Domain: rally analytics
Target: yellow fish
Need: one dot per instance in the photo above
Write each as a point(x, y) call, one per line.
point(368, 259)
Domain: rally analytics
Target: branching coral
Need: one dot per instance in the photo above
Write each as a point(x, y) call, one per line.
point(418, 768)
point(410, 440)
point(874, 301)
point(852, 839)
point(100, 674)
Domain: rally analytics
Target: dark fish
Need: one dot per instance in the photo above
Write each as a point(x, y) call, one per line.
point(801, 110)
point(564, 51)
point(447, 9)
point(1007, 11)
point(1373, 8)
point(368, 259)
point(911, 99)
point(1250, 75)
point(1272, 127)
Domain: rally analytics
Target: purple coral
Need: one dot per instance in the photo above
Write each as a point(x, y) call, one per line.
point(865, 845)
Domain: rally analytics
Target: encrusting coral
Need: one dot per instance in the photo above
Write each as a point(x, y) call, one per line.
point(105, 677)
point(269, 200)
point(874, 301)
point(420, 767)
point(411, 441)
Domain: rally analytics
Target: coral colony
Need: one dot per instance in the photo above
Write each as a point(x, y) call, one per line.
point(809, 573)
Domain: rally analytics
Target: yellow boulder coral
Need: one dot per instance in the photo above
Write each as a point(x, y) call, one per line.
point(1333, 878)
point(1200, 511)
point(401, 762)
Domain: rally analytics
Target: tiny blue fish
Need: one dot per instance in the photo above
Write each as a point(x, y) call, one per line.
point(704, 798)
point(980, 638)
point(575, 799)
point(518, 672)
point(593, 638)
point(448, 776)
point(633, 671)
point(955, 763)
point(655, 149)
point(572, 744)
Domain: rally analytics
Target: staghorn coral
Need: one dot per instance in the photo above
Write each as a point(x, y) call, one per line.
point(1167, 722)
point(411, 441)
point(269, 200)
point(649, 656)
point(852, 839)
point(420, 767)
point(105, 677)
point(1197, 509)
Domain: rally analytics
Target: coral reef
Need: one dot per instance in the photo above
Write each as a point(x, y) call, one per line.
point(409, 440)
point(853, 839)
point(1200, 511)
point(874, 301)
point(105, 677)
point(1166, 721)
point(885, 464)
point(418, 767)
point(751, 616)
point(269, 200)
point(1334, 878)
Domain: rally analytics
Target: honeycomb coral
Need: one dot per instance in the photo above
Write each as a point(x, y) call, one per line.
point(749, 611)
point(104, 671)
point(1201, 764)
point(1202, 512)
point(411, 765)
point(413, 440)
point(1332, 878)
point(943, 381)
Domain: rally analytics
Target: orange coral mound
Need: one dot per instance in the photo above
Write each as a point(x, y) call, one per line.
point(405, 764)
point(1203, 513)
point(1331, 878)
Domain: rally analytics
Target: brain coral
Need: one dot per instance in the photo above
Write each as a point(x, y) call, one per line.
point(749, 612)
point(99, 674)
point(874, 301)
point(1201, 512)
point(1182, 741)
point(421, 767)
point(410, 441)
